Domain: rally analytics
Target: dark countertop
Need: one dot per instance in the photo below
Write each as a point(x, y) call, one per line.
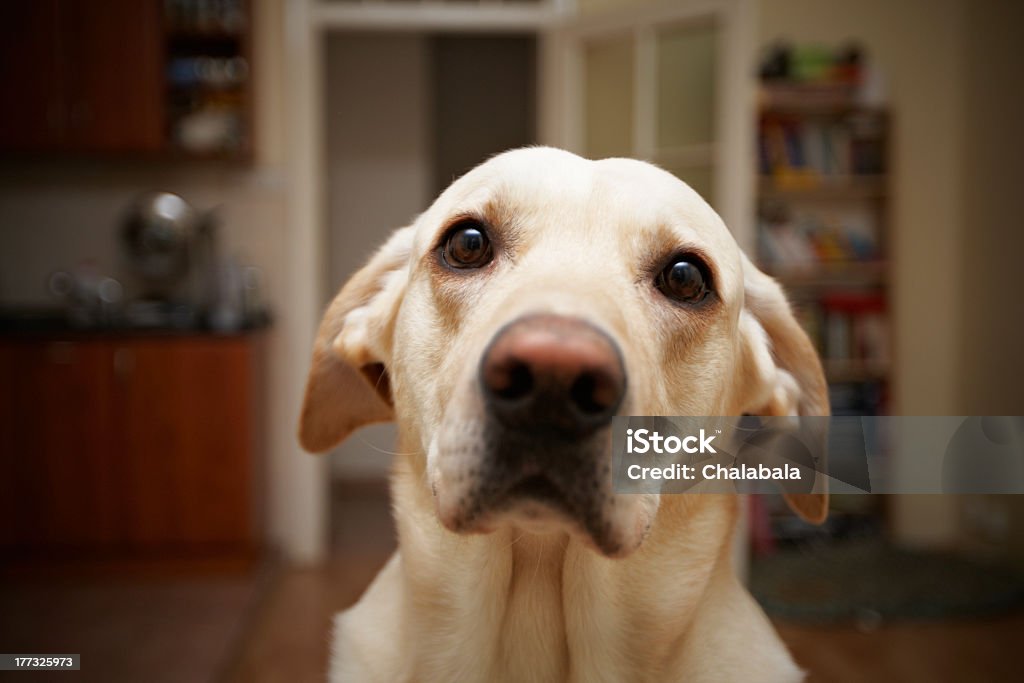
point(18, 323)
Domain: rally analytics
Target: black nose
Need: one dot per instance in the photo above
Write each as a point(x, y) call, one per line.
point(552, 372)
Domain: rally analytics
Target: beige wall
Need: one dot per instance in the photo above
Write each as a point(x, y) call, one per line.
point(378, 148)
point(378, 175)
point(56, 216)
point(484, 100)
point(992, 317)
point(403, 116)
point(989, 266)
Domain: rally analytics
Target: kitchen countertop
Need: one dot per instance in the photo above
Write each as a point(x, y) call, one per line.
point(50, 323)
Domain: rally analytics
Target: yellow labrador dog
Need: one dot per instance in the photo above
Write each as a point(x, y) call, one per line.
point(540, 295)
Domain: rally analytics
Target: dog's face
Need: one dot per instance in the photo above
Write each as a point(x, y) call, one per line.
point(539, 296)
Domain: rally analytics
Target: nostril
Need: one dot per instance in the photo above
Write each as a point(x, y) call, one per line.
point(516, 382)
point(582, 394)
point(593, 394)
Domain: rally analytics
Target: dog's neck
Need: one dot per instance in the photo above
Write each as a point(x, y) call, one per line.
point(509, 593)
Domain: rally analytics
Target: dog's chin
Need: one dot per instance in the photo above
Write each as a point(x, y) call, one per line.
point(485, 478)
point(535, 506)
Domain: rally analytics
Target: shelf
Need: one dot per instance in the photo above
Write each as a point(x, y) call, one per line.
point(833, 99)
point(836, 187)
point(849, 370)
point(834, 274)
point(234, 88)
point(196, 36)
point(823, 161)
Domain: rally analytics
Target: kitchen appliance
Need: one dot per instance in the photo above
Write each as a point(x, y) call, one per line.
point(157, 235)
point(187, 280)
point(170, 248)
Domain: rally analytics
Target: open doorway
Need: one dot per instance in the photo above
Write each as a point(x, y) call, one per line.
point(406, 113)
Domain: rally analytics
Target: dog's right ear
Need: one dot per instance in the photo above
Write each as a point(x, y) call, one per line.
point(348, 380)
point(781, 374)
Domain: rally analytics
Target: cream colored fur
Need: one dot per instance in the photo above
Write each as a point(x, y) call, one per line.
point(528, 600)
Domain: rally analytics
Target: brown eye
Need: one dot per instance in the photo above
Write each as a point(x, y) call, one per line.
point(683, 280)
point(467, 246)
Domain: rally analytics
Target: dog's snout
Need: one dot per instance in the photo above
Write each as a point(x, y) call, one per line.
point(549, 371)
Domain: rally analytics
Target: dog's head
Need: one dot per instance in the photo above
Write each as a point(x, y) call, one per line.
point(539, 296)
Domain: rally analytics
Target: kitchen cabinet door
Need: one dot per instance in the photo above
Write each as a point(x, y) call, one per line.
point(57, 466)
point(115, 86)
point(130, 447)
point(82, 76)
point(185, 424)
point(31, 76)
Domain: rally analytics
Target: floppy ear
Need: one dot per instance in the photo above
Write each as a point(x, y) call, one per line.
point(780, 371)
point(348, 381)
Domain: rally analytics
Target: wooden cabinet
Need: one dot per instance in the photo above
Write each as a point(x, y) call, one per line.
point(130, 445)
point(31, 76)
point(185, 422)
point(57, 460)
point(126, 77)
point(114, 84)
point(81, 76)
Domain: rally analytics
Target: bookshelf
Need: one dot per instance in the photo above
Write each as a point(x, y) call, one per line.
point(823, 193)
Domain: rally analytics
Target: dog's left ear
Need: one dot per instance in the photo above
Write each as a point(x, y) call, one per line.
point(780, 373)
point(348, 381)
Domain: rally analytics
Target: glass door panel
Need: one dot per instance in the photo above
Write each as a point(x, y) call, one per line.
point(686, 78)
point(608, 100)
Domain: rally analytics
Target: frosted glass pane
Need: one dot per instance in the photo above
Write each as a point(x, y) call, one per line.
point(609, 98)
point(686, 85)
point(700, 178)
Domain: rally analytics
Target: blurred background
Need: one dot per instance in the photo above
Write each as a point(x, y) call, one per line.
point(185, 183)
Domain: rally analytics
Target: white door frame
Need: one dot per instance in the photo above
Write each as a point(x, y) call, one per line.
point(298, 482)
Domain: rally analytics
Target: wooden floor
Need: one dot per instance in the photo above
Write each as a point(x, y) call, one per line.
point(289, 641)
point(290, 644)
point(158, 629)
point(274, 625)
point(960, 650)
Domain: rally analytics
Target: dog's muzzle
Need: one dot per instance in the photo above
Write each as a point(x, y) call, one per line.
point(550, 387)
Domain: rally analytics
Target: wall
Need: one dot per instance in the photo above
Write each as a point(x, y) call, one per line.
point(483, 100)
point(992, 318)
point(378, 146)
point(378, 174)
point(405, 114)
point(56, 216)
